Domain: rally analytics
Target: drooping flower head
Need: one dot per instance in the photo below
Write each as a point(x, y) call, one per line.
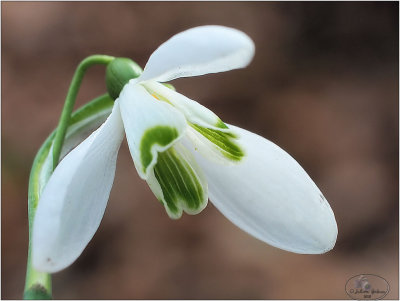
point(186, 154)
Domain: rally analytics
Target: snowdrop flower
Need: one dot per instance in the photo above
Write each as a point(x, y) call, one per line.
point(187, 155)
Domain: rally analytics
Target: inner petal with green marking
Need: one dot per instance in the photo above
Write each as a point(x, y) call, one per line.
point(225, 141)
point(158, 135)
point(193, 111)
point(178, 182)
point(221, 146)
point(209, 130)
point(151, 126)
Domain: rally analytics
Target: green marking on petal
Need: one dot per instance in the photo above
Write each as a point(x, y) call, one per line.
point(220, 124)
point(169, 86)
point(161, 135)
point(223, 140)
point(180, 184)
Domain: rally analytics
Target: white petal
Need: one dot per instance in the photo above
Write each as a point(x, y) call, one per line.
point(73, 201)
point(193, 111)
point(76, 133)
point(270, 196)
point(198, 51)
point(151, 126)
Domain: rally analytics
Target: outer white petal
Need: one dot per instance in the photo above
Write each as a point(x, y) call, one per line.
point(73, 201)
point(151, 126)
point(271, 197)
point(198, 51)
point(76, 133)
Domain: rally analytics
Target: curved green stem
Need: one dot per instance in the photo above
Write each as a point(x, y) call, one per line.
point(70, 100)
point(38, 284)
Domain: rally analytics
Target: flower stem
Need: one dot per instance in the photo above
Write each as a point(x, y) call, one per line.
point(70, 100)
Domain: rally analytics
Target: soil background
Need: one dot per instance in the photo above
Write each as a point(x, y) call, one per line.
point(323, 85)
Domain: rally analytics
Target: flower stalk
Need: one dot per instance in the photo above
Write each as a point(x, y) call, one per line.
point(70, 100)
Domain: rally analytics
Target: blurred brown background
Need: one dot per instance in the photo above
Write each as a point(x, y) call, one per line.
point(323, 85)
